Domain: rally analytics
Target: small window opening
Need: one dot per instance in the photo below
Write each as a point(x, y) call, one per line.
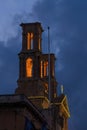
point(46, 68)
point(41, 69)
point(30, 41)
point(29, 67)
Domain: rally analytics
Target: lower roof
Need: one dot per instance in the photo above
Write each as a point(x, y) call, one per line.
point(15, 100)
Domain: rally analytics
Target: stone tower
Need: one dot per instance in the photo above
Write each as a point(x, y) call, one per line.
point(34, 77)
point(33, 67)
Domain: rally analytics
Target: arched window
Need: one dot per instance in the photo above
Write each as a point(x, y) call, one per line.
point(30, 41)
point(41, 69)
point(46, 68)
point(29, 67)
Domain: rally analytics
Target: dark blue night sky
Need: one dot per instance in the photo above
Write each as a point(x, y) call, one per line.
point(68, 35)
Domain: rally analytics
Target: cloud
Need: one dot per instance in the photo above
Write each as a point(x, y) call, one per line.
point(9, 65)
point(8, 10)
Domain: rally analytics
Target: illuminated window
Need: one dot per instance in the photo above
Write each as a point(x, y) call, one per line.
point(46, 88)
point(45, 68)
point(30, 41)
point(41, 69)
point(29, 67)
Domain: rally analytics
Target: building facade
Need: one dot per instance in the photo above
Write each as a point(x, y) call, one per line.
point(18, 113)
point(36, 86)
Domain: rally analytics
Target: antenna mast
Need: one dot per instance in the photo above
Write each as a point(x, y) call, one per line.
point(49, 92)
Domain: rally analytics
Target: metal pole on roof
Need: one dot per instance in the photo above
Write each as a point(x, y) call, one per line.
point(49, 87)
point(49, 84)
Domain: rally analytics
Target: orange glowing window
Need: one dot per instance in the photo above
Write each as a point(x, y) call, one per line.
point(41, 67)
point(30, 41)
point(46, 88)
point(29, 67)
point(45, 68)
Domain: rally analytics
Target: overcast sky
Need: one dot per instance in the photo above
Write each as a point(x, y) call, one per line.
point(68, 33)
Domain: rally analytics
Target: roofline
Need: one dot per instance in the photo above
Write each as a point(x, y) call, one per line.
point(11, 99)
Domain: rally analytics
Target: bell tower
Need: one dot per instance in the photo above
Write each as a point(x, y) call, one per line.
point(31, 36)
point(31, 50)
point(33, 78)
point(33, 67)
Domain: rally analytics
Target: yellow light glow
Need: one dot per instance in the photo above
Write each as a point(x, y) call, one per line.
point(30, 41)
point(46, 88)
point(45, 68)
point(41, 69)
point(29, 67)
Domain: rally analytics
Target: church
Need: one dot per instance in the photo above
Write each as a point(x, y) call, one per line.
point(35, 105)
